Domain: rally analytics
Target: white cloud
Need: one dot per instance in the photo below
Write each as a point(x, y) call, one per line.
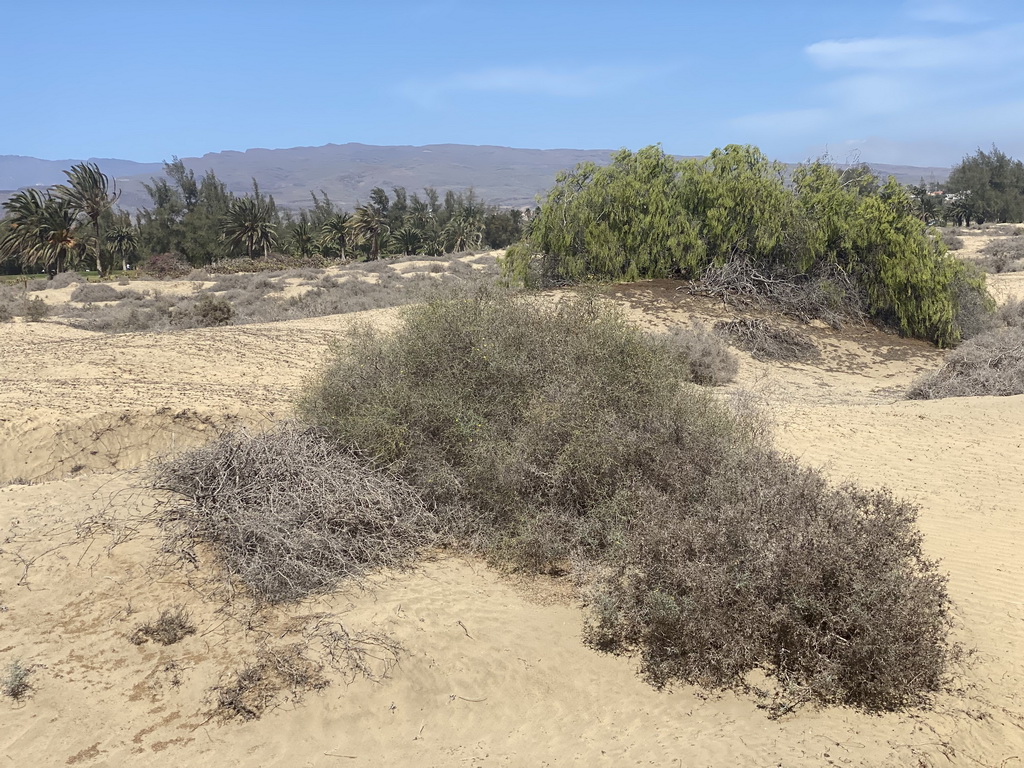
point(932, 92)
point(988, 49)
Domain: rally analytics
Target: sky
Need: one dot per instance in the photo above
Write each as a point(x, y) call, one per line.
point(917, 82)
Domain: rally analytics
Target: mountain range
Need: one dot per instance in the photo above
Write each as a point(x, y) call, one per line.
point(501, 176)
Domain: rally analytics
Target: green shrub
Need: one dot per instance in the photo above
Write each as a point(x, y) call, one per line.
point(648, 215)
point(550, 433)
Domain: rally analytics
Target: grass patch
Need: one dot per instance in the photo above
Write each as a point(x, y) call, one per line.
point(174, 625)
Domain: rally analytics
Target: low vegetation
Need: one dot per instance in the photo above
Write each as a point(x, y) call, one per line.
point(556, 436)
point(288, 514)
point(989, 364)
point(173, 625)
point(767, 340)
point(232, 298)
point(15, 683)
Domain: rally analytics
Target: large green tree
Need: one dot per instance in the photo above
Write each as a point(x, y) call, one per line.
point(248, 226)
point(991, 184)
point(91, 193)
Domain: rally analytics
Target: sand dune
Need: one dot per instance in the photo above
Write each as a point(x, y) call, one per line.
point(493, 671)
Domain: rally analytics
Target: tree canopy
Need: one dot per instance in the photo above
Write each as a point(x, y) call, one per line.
point(650, 215)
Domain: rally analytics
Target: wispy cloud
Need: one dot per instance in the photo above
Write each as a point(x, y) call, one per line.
point(932, 91)
point(578, 83)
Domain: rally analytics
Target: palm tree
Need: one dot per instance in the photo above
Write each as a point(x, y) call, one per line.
point(406, 239)
point(301, 238)
point(42, 231)
point(89, 192)
point(463, 234)
point(334, 235)
point(369, 224)
point(249, 225)
point(123, 243)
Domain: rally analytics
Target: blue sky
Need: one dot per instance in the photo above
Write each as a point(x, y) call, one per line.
point(920, 82)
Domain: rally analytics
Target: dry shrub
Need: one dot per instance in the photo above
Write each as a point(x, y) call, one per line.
point(36, 310)
point(1011, 314)
point(989, 364)
point(293, 670)
point(60, 280)
point(708, 359)
point(5, 314)
point(549, 433)
point(767, 567)
point(766, 340)
point(1004, 255)
point(826, 294)
point(521, 420)
point(14, 684)
point(166, 265)
point(174, 625)
point(90, 292)
point(289, 513)
point(212, 311)
point(952, 240)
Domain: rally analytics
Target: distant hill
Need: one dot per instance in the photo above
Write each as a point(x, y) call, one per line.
point(347, 172)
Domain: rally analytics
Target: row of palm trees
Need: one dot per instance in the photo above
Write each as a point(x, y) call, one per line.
point(61, 227)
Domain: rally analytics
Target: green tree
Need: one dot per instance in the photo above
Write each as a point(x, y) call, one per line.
point(369, 225)
point(123, 243)
point(248, 227)
point(335, 235)
point(406, 240)
point(89, 192)
point(42, 232)
point(993, 183)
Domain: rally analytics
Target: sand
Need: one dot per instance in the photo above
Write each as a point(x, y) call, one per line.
point(493, 671)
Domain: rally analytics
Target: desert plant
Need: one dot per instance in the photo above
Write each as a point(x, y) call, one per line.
point(36, 310)
point(288, 512)
point(707, 358)
point(989, 364)
point(173, 625)
point(90, 292)
point(15, 683)
point(550, 433)
point(5, 314)
point(767, 340)
point(165, 265)
point(211, 311)
point(826, 589)
point(952, 240)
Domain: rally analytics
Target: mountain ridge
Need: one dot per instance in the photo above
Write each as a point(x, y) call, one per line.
point(504, 176)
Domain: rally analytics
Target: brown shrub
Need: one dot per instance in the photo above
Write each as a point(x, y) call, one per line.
point(90, 292)
point(766, 340)
point(288, 512)
point(174, 625)
point(989, 364)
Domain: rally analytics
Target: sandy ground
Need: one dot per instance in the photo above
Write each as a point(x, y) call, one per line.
point(493, 671)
